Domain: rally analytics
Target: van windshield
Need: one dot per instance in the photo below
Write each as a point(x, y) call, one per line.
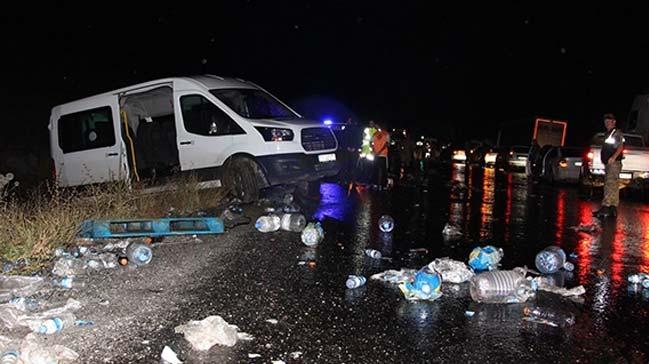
point(253, 104)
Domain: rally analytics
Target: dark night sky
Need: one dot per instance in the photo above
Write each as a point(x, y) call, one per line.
point(407, 63)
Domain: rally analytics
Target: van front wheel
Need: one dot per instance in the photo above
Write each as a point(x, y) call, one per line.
point(241, 179)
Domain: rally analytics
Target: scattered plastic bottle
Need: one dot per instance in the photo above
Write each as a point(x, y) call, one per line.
point(53, 325)
point(645, 283)
point(10, 357)
point(355, 281)
point(268, 223)
point(551, 260)
point(293, 222)
point(386, 223)
point(568, 267)
point(373, 253)
point(139, 253)
point(83, 323)
point(24, 304)
point(485, 258)
point(547, 317)
point(638, 278)
point(65, 282)
point(504, 286)
point(312, 234)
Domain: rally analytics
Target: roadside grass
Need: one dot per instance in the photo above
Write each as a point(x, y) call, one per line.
point(33, 226)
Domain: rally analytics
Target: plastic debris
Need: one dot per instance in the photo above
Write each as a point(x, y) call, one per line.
point(551, 260)
point(211, 331)
point(52, 325)
point(272, 321)
point(269, 223)
point(395, 276)
point(67, 266)
point(278, 362)
point(12, 286)
point(24, 304)
point(507, 286)
point(355, 281)
point(293, 222)
point(84, 323)
point(168, 356)
point(312, 234)
point(386, 223)
point(452, 271)
point(547, 317)
point(139, 253)
point(295, 355)
point(120, 245)
point(35, 350)
point(638, 278)
point(451, 231)
point(254, 356)
point(485, 258)
point(10, 356)
point(469, 313)
point(373, 253)
point(427, 285)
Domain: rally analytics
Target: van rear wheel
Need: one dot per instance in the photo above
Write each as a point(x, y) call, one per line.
point(241, 179)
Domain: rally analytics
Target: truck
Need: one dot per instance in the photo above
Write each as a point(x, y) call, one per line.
point(227, 131)
point(635, 162)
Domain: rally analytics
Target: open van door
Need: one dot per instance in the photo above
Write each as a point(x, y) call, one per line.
point(89, 142)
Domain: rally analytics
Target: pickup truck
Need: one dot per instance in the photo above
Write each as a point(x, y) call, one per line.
point(635, 162)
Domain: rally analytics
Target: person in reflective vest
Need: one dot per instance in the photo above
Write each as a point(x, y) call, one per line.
point(366, 147)
point(380, 143)
point(611, 156)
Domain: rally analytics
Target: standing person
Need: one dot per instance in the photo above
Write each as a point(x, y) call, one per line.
point(380, 143)
point(611, 156)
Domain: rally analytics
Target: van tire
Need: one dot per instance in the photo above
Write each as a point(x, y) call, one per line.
point(241, 179)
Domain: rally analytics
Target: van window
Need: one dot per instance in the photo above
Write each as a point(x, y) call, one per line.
point(202, 117)
point(253, 104)
point(89, 129)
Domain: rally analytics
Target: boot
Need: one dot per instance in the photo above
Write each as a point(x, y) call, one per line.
point(604, 212)
point(612, 211)
point(600, 212)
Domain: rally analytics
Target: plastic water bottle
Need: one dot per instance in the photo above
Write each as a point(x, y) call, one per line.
point(547, 317)
point(268, 223)
point(645, 283)
point(568, 267)
point(551, 259)
point(312, 234)
point(373, 253)
point(386, 223)
point(355, 281)
point(503, 286)
point(65, 282)
point(139, 253)
point(53, 325)
point(293, 222)
point(25, 304)
point(485, 258)
point(10, 357)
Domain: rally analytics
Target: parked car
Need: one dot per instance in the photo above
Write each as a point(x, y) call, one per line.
point(563, 164)
point(494, 156)
point(516, 158)
point(224, 130)
point(635, 163)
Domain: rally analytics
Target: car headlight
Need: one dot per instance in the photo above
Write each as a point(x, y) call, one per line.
point(275, 134)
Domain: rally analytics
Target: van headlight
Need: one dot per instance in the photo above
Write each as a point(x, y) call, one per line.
point(275, 134)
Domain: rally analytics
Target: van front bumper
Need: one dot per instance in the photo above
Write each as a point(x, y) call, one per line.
point(296, 167)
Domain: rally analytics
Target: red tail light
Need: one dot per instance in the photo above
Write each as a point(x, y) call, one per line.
point(590, 156)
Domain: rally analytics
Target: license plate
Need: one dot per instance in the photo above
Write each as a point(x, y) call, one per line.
point(327, 157)
point(522, 158)
point(626, 175)
point(578, 164)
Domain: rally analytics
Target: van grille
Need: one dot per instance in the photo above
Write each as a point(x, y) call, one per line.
point(318, 139)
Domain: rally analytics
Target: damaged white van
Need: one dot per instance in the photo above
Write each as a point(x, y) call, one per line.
point(225, 130)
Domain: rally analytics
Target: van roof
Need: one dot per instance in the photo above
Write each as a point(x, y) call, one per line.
point(206, 82)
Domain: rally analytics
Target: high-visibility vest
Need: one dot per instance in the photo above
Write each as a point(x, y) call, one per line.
point(366, 147)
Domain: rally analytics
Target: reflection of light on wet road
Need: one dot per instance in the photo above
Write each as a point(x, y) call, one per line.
point(561, 218)
point(584, 260)
point(487, 207)
point(644, 263)
point(508, 204)
point(617, 256)
point(332, 202)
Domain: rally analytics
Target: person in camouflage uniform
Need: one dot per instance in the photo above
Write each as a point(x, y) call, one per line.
point(611, 156)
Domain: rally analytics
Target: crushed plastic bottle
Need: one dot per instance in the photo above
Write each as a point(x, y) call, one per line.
point(312, 234)
point(10, 356)
point(65, 282)
point(547, 317)
point(485, 258)
point(507, 286)
point(269, 223)
point(426, 285)
point(25, 303)
point(551, 260)
point(293, 222)
point(638, 278)
point(452, 271)
point(355, 281)
point(373, 253)
point(52, 325)
point(139, 253)
point(451, 231)
point(386, 223)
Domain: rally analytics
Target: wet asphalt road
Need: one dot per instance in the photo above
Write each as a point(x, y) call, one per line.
point(260, 279)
